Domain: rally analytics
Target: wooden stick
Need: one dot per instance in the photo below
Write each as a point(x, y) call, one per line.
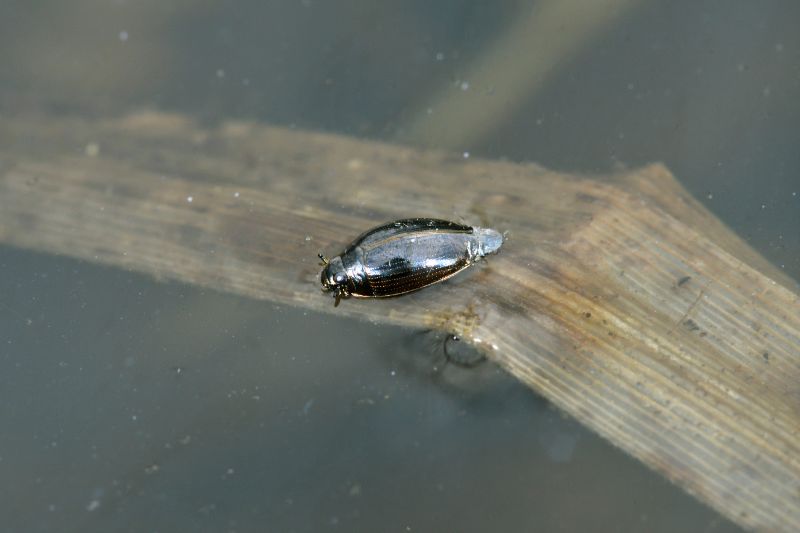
point(623, 301)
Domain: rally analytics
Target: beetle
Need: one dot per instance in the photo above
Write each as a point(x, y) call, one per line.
point(404, 256)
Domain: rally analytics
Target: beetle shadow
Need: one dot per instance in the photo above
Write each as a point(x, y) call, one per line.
point(444, 360)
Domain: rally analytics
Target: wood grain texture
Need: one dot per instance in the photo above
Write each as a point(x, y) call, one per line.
point(622, 301)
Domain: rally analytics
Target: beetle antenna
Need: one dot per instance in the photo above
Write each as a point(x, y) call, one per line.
point(322, 258)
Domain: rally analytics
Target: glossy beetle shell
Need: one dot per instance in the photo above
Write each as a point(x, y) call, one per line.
point(405, 256)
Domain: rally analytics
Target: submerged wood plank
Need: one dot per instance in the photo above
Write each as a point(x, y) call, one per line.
point(622, 301)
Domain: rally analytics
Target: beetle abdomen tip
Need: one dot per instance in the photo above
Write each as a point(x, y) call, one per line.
point(490, 240)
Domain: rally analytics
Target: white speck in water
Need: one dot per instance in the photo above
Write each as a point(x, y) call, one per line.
point(763, 206)
point(766, 91)
point(439, 56)
point(123, 36)
point(308, 238)
point(392, 373)
point(190, 199)
point(710, 196)
point(92, 149)
point(465, 155)
point(429, 111)
point(134, 418)
point(93, 505)
point(464, 86)
point(236, 194)
point(307, 406)
point(220, 73)
point(559, 446)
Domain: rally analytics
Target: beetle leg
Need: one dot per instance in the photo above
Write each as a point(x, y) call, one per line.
point(322, 258)
point(338, 298)
point(472, 255)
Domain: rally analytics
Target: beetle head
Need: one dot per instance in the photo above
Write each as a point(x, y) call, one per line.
point(334, 278)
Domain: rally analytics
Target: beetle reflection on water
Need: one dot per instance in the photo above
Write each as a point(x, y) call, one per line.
point(405, 256)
